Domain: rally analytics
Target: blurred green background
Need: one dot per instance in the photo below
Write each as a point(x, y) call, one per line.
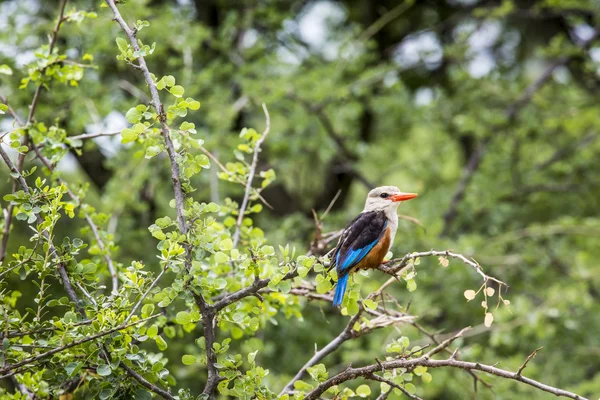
point(365, 93)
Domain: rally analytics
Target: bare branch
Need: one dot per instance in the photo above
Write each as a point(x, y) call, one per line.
point(41, 330)
point(445, 344)
point(244, 205)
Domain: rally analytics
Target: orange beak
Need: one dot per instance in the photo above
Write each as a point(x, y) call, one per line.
point(403, 196)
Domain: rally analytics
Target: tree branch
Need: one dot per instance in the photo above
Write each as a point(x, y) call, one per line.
point(353, 373)
point(208, 312)
point(144, 382)
point(378, 378)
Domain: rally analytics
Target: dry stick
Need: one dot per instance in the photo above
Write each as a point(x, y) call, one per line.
point(208, 312)
point(61, 267)
point(242, 210)
point(353, 373)
point(511, 112)
point(73, 344)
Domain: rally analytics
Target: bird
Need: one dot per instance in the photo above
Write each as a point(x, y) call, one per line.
point(368, 238)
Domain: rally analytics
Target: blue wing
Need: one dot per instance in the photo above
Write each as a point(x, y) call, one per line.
point(353, 256)
point(358, 240)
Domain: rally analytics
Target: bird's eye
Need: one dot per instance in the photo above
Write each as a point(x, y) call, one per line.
point(383, 195)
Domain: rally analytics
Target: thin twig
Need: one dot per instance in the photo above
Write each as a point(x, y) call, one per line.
point(137, 305)
point(244, 205)
point(144, 382)
point(93, 135)
point(378, 378)
point(529, 357)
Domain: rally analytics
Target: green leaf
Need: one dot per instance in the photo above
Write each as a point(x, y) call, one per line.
point(133, 116)
point(72, 367)
point(370, 304)
point(188, 359)
point(152, 151)
point(324, 286)
point(152, 331)
point(160, 342)
point(122, 44)
point(301, 385)
point(141, 394)
point(147, 310)
point(183, 317)
point(410, 388)
point(226, 244)
point(221, 257)
point(177, 90)
point(426, 377)
point(103, 370)
point(363, 390)
point(128, 135)
point(252, 356)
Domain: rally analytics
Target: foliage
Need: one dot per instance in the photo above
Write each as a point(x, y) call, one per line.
point(172, 252)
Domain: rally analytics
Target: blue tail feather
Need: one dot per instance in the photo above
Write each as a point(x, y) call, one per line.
point(340, 290)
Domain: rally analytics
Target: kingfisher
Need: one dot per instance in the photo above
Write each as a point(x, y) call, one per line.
point(368, 238)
